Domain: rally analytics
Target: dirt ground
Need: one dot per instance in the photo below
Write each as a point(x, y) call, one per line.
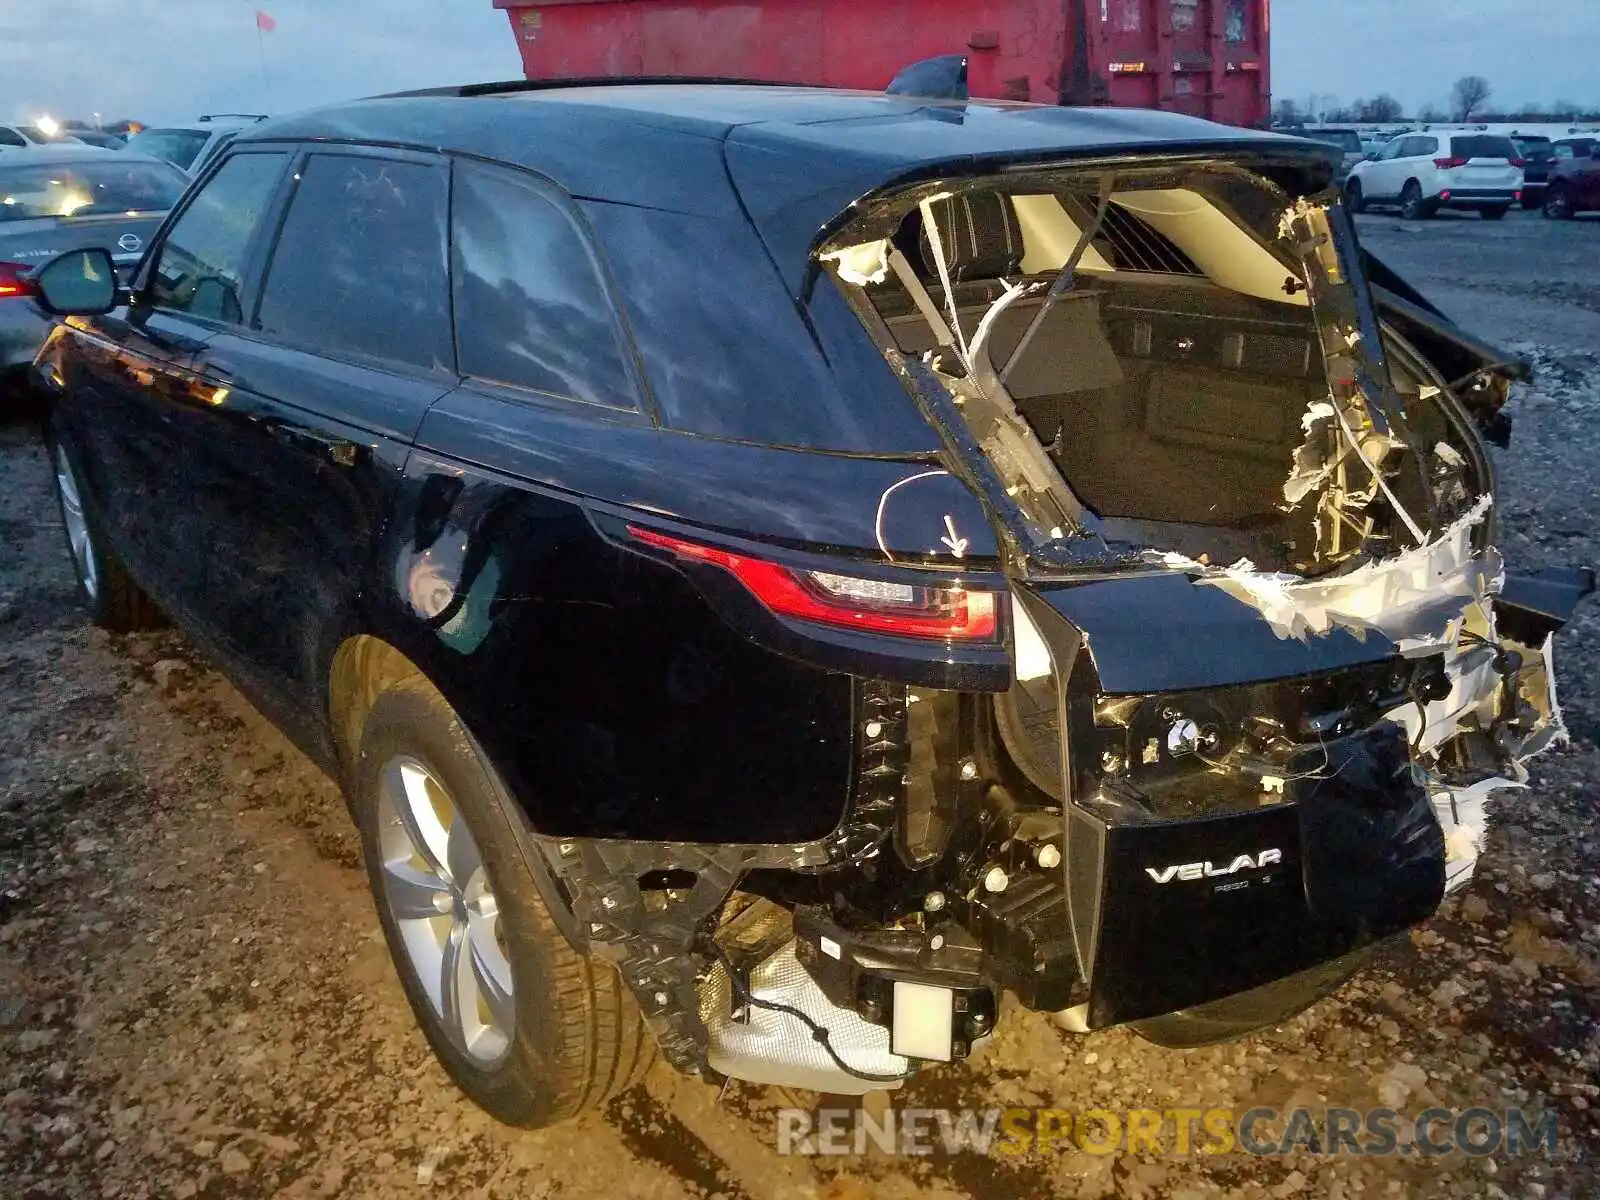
point(195, 999)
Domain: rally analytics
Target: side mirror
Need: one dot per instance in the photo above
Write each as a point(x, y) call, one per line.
point(79, 283)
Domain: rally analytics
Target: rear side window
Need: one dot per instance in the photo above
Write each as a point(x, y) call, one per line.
point(1482, 146)
point(531, 304)
point(359, 267)
point(9, 137)
point(201, 265)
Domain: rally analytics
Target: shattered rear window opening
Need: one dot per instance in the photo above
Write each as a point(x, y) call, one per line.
point(1182, 369)
point(1175, 360)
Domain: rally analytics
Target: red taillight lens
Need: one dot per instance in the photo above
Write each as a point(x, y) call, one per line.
point(943, 613)
point(1448, 164)
point(1517, 162)
point(14, 281)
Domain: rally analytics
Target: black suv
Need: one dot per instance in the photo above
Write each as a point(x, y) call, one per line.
point(774, 569)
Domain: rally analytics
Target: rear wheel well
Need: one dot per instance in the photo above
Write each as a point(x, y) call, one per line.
point(363, 668)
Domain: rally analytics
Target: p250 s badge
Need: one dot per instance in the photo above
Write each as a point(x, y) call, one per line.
point(1207, 870)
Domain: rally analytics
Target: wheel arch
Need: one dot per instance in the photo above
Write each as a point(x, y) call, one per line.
point(362, 668)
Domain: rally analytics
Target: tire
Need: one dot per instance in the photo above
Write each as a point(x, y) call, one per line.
point(1496, 212)
point(1354, 199)
point(1412, 206)
point(114, 601)
point(566, 1036)
point(1558, 205)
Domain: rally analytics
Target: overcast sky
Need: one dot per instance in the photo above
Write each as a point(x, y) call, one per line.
point(162, 60)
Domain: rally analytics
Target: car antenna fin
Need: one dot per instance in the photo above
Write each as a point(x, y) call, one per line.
point(941, 78)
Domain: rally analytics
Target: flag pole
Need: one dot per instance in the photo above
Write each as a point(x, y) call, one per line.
point(266, 79)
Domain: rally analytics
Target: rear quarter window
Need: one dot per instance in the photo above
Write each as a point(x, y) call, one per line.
point(728, 352)
point(532, 309)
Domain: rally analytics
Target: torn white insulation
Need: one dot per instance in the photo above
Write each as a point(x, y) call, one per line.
point(1410, 598)
point(1312, 468)
point(862, 264)
point(1464, 816)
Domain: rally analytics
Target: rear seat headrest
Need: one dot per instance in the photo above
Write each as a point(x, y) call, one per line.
point(981, 236)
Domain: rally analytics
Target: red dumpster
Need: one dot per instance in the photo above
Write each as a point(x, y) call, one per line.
point(1204, 57)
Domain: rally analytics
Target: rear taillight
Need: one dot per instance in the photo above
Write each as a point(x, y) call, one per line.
point(1519, 163)
point(14, 281)
point(940, 612)
point(1449, 164)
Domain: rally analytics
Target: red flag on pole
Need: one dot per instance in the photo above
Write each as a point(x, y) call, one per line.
point(264, 22)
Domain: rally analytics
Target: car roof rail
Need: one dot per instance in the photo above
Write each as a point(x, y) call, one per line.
point(208, 117)
point(510, 86)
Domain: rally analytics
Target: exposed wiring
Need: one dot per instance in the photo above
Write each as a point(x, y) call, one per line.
point(818, 1032)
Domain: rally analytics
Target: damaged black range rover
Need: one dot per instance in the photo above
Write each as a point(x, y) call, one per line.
point(776, 569)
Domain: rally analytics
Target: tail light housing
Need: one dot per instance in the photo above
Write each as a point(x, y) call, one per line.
point(14, 281)
point(937, 612)
point(1519, 163)
point(1449, 164)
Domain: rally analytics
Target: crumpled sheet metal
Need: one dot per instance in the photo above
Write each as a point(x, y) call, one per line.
point(1412, 598)
point(1463, 812)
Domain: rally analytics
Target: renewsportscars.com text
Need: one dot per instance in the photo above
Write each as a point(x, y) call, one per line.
point(1014, 1132)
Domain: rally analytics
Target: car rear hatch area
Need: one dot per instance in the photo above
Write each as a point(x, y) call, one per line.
point(1269, 664)
point(1481, 165)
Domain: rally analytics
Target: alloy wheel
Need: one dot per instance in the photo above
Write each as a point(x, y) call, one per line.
point(1411, 203)
point(438, 892)
point(77, 525)
point(1556, 205)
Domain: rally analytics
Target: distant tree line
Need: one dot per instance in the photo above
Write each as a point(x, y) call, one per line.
point(1469, 101)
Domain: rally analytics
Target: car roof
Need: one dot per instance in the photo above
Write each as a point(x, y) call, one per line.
point(798, 155)
point(204, 125)
point(62, 152)
point(891, 129)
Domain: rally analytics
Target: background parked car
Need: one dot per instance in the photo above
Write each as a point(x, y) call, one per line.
point(1574, 179)
point(100, 138)
point(1538, 158)
point(56, 197)
point(21, 137)
point(1424, 172)
point(189, 147)
point(1348, 140)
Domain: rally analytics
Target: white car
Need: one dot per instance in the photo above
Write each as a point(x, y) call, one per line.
point(1421, 173)
point(25, 137)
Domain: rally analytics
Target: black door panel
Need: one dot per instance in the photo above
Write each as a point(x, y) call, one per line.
point(293, 470)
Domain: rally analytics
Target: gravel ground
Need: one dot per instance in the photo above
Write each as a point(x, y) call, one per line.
point(195, 999)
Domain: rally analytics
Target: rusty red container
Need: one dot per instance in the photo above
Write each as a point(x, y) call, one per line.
point(1204, 57)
